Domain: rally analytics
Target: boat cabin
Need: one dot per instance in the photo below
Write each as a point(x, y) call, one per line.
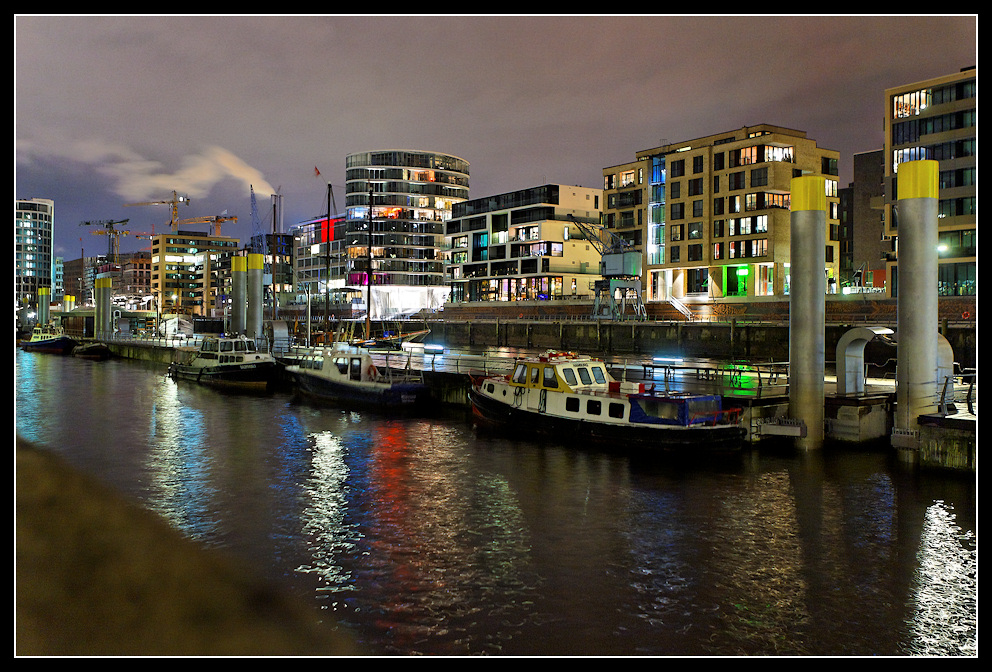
point(354, 366)
point(562, 372)
point(227, 350)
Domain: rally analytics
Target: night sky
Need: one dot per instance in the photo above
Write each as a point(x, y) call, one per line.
point(120, 109)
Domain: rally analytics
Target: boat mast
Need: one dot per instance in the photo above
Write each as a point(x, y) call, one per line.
point(368, 300)
point(327, 253)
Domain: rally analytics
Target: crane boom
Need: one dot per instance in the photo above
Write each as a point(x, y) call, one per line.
point(174, 205)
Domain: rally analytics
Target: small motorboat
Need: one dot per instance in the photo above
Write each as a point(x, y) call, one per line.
point(347, 374)
point(233, 362)
point(94, 350)
point(564, 395)
point(50, 339)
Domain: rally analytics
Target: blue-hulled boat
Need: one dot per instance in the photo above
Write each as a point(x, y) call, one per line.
point(50, 339)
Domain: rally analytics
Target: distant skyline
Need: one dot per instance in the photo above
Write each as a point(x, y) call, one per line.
point(120, 109)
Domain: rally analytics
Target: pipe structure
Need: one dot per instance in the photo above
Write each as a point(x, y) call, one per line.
point(807, 306)
point(239, 295)
point(256, 295)
point(44, 304)
point(916, 301)
point(68, 303)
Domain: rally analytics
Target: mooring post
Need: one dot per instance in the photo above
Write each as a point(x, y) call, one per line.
point(916, 301)
point(807, 306)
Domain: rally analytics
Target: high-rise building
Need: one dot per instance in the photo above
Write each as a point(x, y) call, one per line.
point(34, 228)
point(711, 215)
point(937, 119)
point(522, 245)
point(412, 194)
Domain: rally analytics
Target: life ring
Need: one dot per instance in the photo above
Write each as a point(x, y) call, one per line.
point(371, 372)
point(966, 315)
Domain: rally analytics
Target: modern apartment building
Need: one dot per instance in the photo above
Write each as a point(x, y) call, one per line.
point(711, 215)
point(34, 227)
point(522, 245)
point(937, 119)
point(412, 193)
point(187, 275)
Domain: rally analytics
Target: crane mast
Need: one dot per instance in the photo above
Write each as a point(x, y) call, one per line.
point(113, 236)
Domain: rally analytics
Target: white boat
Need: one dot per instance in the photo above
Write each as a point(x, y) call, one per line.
point(225, 362)
point(346, 374)
point(569, 396)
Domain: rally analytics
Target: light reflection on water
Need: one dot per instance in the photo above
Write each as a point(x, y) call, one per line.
point(428, 537)
point(945, 598)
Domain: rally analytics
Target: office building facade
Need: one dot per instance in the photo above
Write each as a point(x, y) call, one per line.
point(712, 215)
point(188, 271)
point(522, 245)
point(937, 119)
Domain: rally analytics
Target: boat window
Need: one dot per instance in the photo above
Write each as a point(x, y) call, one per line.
point(616, 410)
point(210, 346)
point(599, 374)
point(356, 368)
point(226, 346)
point(584, 375)
point(550, 379)
point(535, 374)
point(572, 404)
point(520, 374)
point(569, 375)
point(250, 346)
point(239, 346)
point(342, 365)
point(594, 407)
point(660, 408)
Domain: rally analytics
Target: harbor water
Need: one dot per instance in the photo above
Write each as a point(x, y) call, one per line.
point(425, 535)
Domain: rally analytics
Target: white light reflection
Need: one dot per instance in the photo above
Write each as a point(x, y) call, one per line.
point(325, 527)
point(945, 622)
point(180, 487)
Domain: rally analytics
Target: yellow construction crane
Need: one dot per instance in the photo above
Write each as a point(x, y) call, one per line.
point(174, 205)
point(210, 219)
point(113, 234)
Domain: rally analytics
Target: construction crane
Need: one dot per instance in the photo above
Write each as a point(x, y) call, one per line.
point(113, 236)
point(210, 219)
point(620, 266)
point(173, 204)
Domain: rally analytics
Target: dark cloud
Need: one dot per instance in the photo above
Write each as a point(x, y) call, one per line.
point(111, 110)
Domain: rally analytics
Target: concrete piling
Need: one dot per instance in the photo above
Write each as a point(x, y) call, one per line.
point(807, 307)
point(239, 296)
point(916, 375)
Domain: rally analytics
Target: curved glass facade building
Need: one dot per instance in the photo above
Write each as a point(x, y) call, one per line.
point(411, 193)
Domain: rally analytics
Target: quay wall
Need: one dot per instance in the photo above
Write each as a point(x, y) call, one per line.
point(753, 330)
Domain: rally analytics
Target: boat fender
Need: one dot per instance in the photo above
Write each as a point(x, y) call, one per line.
point(371, 372)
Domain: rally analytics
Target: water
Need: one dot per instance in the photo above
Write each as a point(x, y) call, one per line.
point(429, 537)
